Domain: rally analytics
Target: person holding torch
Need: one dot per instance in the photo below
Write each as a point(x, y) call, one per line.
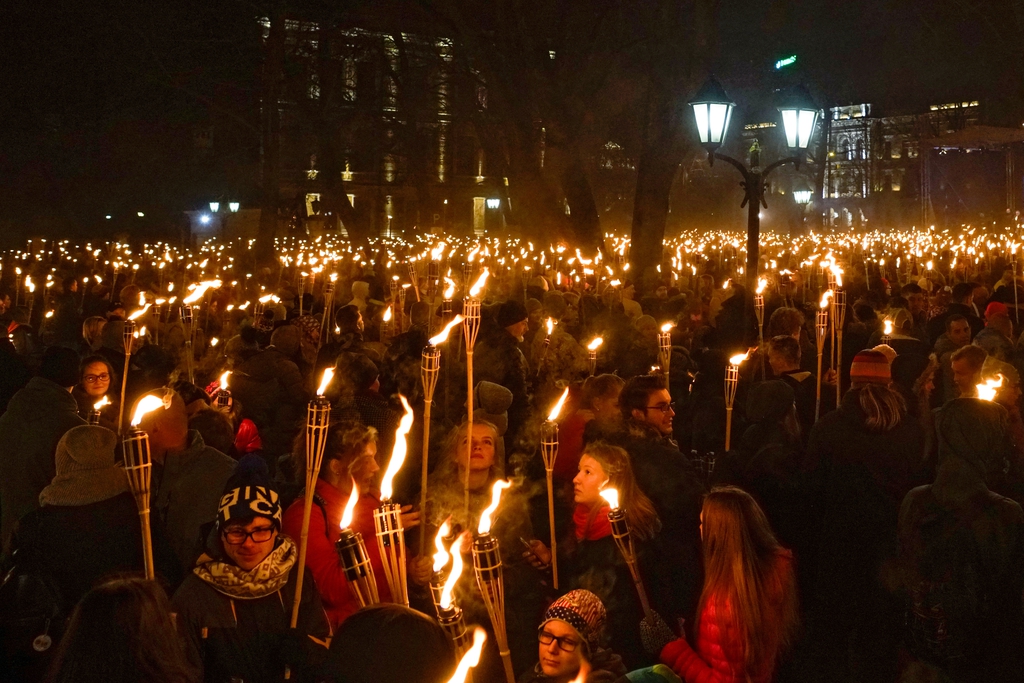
point(233, 608)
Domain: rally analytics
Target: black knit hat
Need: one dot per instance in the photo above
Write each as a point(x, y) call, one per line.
point(512, 312)
point(769, 401)
point(249, 494)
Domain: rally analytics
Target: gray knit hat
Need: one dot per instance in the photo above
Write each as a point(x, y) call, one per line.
point(86, 471)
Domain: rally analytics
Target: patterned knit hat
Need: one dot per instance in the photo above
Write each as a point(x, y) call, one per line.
point(582, 610)
point(248, 494)
point(870, 367)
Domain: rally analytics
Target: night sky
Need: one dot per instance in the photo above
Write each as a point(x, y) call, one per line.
point(96, 96)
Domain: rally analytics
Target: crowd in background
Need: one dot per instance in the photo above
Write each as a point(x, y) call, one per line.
point(864, 524)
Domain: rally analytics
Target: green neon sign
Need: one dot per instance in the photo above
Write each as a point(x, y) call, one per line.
point(785, 62)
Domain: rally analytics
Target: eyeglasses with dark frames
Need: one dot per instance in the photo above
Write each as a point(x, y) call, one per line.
point(565, 643)
point(238, 536)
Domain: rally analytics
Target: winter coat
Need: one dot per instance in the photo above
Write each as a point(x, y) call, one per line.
point(14, 373)
point(232, 638)
point(322, 558)
point(186, 490)
point(719, 656)
point(78, 545)
point(937, 326)
point(497, 359)
point(857, 479)
point(962, 552)
point(270, 388)
point(665, 475)
point(605, 667)
point(590, 560)
point(36, 419)
point(995, 343)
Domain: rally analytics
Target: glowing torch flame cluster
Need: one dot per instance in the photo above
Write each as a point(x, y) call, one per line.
point(988, 390)
point(739, 358)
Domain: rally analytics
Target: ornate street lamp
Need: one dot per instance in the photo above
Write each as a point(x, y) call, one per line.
point(712, 111)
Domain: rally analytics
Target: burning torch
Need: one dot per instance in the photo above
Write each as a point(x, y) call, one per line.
point(886, 331)
point(449, 614)
point(97, 408)
point(430, 365)
point(355, 561)
point(487, 565)
point(592, 349)
point(732, 380)
point(759, 311)
point(138, 465)
point(223, 395)
point(471, 328)
point(387, 518)
point(665, 349)
point(820, 332)
point(549, 450)
point(318, 418)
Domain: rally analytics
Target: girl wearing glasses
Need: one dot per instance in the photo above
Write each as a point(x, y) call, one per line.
point(748, 608)
point(95, 379)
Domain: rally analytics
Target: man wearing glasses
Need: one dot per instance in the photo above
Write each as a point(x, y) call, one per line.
point(234, 609)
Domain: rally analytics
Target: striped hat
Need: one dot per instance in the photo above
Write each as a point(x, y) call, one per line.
point(582, 610)
point(870, 367)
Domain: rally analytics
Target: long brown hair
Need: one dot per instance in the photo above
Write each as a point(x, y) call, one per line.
point(640, 513)
point(882, 405)
point(121, 631)
point(346, 441)
point(745, 579)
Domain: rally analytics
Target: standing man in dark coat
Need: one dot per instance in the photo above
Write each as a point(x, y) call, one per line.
point(962, 552)
point(498, 359)
point(36, 419)
point(961, 305)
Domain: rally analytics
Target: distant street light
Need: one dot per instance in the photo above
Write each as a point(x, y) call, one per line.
point(214, 207)
point(712, 111)
point(234, 207)
point(140, 214)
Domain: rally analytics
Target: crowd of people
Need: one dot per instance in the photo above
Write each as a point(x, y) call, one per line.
point(864, 523)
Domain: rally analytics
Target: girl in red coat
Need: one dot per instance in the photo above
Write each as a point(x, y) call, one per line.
point(748, 608)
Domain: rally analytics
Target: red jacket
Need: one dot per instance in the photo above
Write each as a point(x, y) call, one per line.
point(719, 657)
point(321, 557)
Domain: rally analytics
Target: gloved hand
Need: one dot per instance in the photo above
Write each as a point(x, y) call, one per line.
point(655, 633)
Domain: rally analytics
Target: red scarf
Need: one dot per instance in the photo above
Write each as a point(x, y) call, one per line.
point(596, 529)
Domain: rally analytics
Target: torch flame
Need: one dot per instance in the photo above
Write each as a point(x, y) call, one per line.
point(612, 496)
point(265, 299)
point(471, 658)
point(449, 292)
point(200, 291)
point(453, 575)
point(593, 345)
point(838, 273)
point(441, 556)
point(139, 313)
point(350, 506)
point(988, 390)
point(100, 403)
point(553, 415)
point(550, 325)
point(739, 358)
point(398, 452)
point(223, 381)
point(387, 315)
point(142, 298)
point(761, 284)
point(442, 336)
point(581, 677)
point(667, 327)
point(325, 381)
point(824, 299)
point(480, 282)
point(485, 519)
point(888, 327)
point(147, 404)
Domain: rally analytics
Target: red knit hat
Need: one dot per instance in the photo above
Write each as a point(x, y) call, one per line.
point(996, 308)
point(870, 367)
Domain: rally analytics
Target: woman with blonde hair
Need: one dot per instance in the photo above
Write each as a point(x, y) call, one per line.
point(748, 614)
point(588, 557)
point(92, 328)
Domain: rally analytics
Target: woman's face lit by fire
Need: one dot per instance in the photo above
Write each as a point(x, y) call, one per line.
point(484, 443)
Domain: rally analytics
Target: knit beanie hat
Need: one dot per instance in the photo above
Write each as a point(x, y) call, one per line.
point(582, 610)
point(60, 365)
point(248, 494)
point(870, 367)
point(86, 471)
point(769, 401)
point(887, 351)
point(512, 312)
point(996, 309)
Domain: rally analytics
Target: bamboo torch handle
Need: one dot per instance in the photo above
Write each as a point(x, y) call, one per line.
point(423, 475)
point(306, 511)
point(554, 538)
point(147, 544)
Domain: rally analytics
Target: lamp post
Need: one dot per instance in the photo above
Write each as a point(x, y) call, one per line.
point(712, 110)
